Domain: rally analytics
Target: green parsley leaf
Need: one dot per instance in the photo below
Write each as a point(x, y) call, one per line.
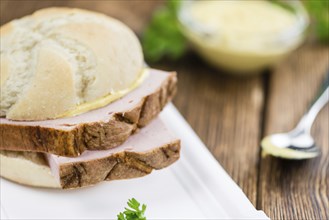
point(133, 212)
point(319, 11)
point(163, 38)
point(121, 216)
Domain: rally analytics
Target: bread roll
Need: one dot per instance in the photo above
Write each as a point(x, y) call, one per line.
point(59, 58)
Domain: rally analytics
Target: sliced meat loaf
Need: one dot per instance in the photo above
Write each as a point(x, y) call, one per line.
point(153, 147)
point(100, 129)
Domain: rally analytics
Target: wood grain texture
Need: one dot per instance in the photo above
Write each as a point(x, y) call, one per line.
point(134, 13)
point(296, 189)
point(225, 112)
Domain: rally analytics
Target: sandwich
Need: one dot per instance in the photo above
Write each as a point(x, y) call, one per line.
point(78, 104)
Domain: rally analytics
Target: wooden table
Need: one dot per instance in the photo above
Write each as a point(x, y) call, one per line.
point(232, 114)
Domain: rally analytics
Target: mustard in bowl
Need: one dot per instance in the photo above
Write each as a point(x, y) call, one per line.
point(243, 36)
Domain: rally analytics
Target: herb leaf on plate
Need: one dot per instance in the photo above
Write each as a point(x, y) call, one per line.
point(134, 212)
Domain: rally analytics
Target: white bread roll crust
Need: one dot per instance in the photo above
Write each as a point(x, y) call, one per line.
point(90, 56)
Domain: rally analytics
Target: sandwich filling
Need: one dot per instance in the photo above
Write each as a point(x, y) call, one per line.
point(101, 102)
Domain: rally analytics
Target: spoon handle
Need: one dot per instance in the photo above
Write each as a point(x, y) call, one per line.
point(308, 119)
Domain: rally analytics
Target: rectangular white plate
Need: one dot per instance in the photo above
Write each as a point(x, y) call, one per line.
point(195, 187)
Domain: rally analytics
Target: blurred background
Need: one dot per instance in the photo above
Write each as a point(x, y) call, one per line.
point(245, 71)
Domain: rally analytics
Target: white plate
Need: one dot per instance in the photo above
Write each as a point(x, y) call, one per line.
point(195, 187)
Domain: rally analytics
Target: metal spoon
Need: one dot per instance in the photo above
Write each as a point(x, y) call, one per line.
point(298, 143)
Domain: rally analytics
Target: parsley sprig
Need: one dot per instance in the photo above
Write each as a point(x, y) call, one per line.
point(320, 13)
point(134, 212)
point(163, 38)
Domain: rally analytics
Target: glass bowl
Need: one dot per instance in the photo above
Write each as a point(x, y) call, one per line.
point(243, 51)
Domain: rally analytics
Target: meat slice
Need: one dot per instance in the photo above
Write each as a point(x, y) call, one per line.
point(153, 147)
point(100, 129)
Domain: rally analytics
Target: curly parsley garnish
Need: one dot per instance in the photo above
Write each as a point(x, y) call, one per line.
point(134, 212)
point(163, 38)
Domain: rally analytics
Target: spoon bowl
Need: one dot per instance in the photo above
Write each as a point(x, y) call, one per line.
point(298, 144)
point(286, 146)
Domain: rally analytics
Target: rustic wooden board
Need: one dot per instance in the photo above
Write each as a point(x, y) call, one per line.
point(296, 189)
point(134, 13)
point(225, 112)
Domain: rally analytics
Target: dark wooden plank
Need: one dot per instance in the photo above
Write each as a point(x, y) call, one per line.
point(225, 112)
point(134, 13)
point(15, 9)
point(296, 189)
